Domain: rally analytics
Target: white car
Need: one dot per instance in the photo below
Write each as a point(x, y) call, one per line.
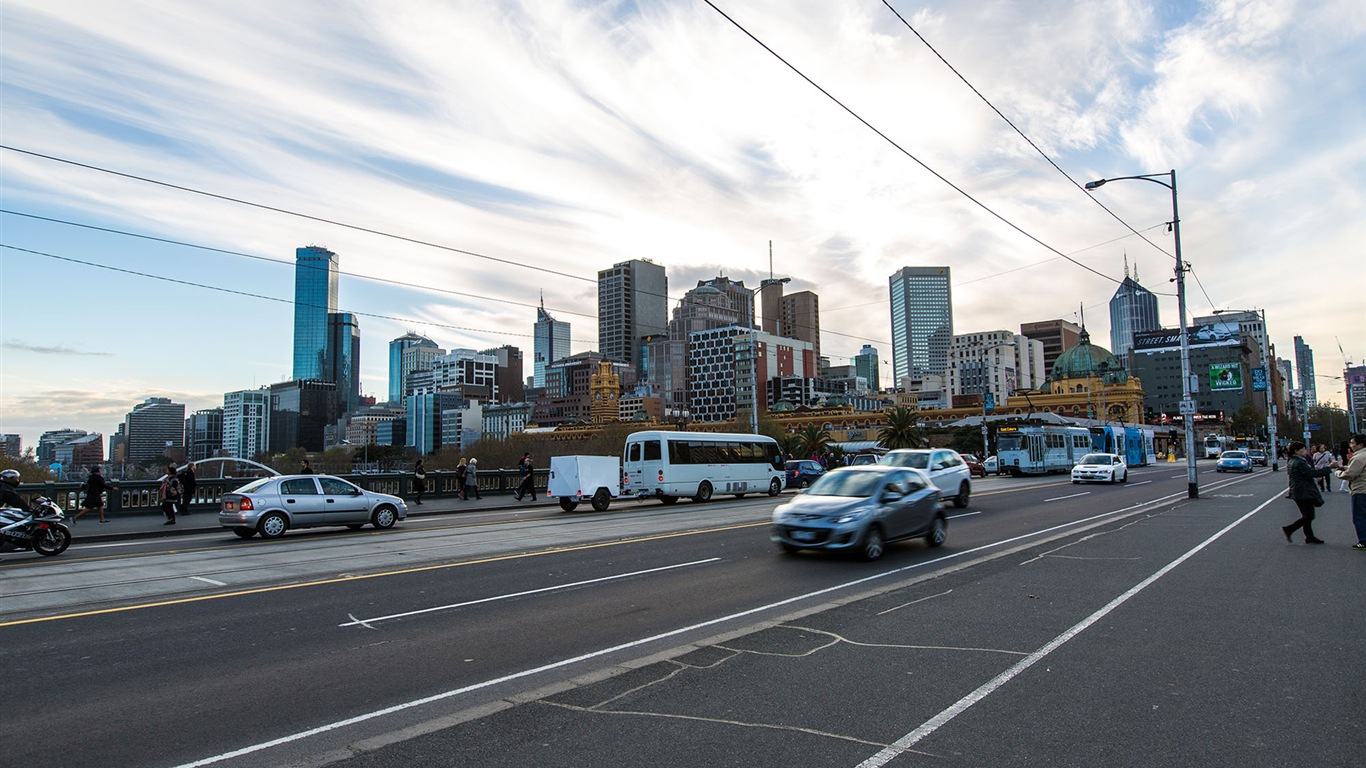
point(944, 466)
point(1098, 467)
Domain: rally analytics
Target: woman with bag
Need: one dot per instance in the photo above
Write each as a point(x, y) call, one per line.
point(460, 470)
point(168, 493)
point(1303, 491)
point(419, 482)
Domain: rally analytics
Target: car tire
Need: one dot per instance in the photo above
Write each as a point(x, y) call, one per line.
point(1076, 482)
point(244, 532)
point(963, 497)
point(703, 494)
point(774, 487)
point(568, 504)
point(602, 499)
point(872, 545)
point(939, 531)
point(1124, 478)
point(802, 483)
point(273, 526)
point(790, 549)
point(384, 517)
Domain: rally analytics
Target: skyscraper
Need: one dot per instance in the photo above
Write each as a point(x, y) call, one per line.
point(1057, 336)
point(398, 371)
point(152, 428)
point(315, 297)
point(1304, 368)
point(866, 366)
point(922, 321)
point(343, 360)
point(551, 343)
point(1133, 309)
point(246, 422)
point(633, 301)
point(802, 319)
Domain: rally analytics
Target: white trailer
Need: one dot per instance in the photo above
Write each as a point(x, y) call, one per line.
point(577, 478)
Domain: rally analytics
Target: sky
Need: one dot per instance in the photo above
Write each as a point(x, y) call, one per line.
point(160, 162)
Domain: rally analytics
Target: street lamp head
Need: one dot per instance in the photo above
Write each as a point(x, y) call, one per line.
point(1097, 184)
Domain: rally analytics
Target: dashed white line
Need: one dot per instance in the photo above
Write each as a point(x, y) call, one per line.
point(210, 581)
point(1073, 496)
point(963, 514)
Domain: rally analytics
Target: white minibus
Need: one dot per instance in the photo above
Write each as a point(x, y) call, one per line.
point(672, 465)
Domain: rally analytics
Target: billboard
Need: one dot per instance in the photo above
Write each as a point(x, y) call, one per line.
point(1204, 335)
point(1225, 376)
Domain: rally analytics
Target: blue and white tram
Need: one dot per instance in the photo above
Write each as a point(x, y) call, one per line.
point(1040, 449)
point(696, 465)
point(1134, 443)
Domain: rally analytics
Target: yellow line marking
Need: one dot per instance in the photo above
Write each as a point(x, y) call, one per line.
point(360, 577)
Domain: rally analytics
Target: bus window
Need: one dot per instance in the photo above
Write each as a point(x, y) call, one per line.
point(633, 452)
point(652, 450)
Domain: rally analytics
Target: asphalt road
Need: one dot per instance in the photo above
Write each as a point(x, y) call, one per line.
point(1045, 632)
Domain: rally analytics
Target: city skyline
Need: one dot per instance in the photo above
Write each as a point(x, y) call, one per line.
point(653, 130)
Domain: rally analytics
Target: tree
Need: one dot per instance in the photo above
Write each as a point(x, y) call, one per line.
point(1247, 421)
point(903, 430)
point(967, 440)
point(813, 441)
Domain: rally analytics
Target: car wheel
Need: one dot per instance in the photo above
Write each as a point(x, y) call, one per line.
point(568, 504)
point(601, 500)
point(273, 526)
point(964, 493)
point(1114, 478)
point(802, 483)
point(939, 531)
point(790, 549)
point(244, 532)
point(1124, 478)
point(872, 545)
point(384, 517)
point(774, 487)
point(703, 492)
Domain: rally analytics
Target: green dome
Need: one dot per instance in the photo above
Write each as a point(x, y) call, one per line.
point(1086, 360)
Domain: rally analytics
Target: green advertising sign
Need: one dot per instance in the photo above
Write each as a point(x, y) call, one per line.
point(1225, 376)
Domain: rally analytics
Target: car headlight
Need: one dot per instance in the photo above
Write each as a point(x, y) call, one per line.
point(851, 517)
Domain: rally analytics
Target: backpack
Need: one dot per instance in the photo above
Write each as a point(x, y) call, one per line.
point(172, 488)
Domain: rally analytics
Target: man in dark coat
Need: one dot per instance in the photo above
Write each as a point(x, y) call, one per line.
point(187, 480)
point(1303, 491)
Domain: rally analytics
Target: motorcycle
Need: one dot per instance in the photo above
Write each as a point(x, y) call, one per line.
point(42, 531)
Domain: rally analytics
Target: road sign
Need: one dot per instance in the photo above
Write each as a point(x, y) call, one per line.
point(1187, 407)
point(989, 401)
point(1258, 379)
point(1315, 427)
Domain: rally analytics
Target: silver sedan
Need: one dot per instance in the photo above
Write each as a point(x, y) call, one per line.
point(860, 509)
point(272, 505)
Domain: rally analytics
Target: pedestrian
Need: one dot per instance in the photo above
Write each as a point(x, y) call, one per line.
point(526, 487)
point(93, 498)
point(305, 468)
point(187, 479)
point(1323, 459)
point(1354, 474)
point(460, 471)
point(168, 493)
point(1303, 491)
point(471, 479)
point(419, 482)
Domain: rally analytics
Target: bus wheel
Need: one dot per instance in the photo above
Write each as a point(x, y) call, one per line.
point(703, 492)
point(774, 487)
point(667, 500)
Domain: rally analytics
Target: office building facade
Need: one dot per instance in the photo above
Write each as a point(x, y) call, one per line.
point(922, 321)
point(246, 423)
point(1057, 336)
point(550, 343)
point(204, 434)
point(154, 428)
point(633, 302)
point(866, 367)
point(1304, 368)
point(402, 362)
point(1133, 310)
point(315, 297)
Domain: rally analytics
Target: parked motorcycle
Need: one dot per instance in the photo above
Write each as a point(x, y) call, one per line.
point(42, 531)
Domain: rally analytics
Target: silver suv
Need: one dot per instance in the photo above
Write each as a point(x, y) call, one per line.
point(272, 505)
point(944, 466)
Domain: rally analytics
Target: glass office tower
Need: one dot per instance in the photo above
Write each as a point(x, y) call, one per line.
point(315, 297)
point(922, 321)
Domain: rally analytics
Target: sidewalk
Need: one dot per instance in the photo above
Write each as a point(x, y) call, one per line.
point(151, 523)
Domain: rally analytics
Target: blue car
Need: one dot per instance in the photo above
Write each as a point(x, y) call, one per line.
point(1234, 461)
point(803, 472)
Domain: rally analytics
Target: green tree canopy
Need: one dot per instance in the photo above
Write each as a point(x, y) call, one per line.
point(903, 430)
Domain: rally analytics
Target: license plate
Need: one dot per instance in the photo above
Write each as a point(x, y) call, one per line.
point(804, 535)
point(229, 505)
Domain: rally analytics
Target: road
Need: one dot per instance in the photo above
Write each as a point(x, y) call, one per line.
point(1060, 625)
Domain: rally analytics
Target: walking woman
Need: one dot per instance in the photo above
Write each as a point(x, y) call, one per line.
point(460, 470)
point(419, 482)
point(1303, 491)
point(471, 481)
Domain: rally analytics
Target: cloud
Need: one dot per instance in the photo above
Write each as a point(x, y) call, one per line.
point(53, 350)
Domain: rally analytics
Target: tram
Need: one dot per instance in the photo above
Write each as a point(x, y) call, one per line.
point(1041, 449)
point(1134, 443)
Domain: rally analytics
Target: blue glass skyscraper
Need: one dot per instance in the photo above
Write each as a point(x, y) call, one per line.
point(922, 321)
point(315, 297)
point(551, 343)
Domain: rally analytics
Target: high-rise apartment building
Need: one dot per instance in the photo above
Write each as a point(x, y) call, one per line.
point(401, 363)
point(633, 302)
point(12, 446)
point(999, 362)
point(802, 319)
point(315, 297)
point(246, 422)
point(153, 428)
point(511, 385)
point(550, 343)
point(1133, 310)
point(1304, 368)
point(48, 442)
point(1057, 337)
point(922, 321)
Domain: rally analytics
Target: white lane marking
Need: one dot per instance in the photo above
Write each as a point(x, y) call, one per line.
point(301, 735)
point(1135, 485)
point(368, 622)
point(210, 581)
point(934, 723)
point(964, 514)
point(1073, 496)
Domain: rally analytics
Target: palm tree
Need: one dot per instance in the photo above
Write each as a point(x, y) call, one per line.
point(790, 445)
point(814, 441)
point(903, 430)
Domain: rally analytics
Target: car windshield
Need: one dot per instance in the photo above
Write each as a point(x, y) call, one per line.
point(1097, 458)
point(917, 460)
point(1235, 455)
point(852, 484)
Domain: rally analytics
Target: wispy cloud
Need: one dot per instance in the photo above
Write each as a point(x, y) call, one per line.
point(51, 350)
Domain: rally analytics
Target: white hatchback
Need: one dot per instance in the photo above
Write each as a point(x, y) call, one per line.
point(944, 466)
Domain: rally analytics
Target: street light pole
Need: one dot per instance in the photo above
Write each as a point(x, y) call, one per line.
point(1187, 403)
